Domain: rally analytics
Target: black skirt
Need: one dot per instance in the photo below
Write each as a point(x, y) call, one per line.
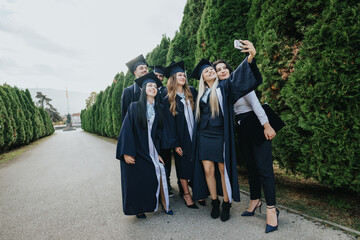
point(211, 144)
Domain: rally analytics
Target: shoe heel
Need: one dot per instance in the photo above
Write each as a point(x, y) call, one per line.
point(260, 208)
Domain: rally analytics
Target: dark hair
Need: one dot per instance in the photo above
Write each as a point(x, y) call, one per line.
point(224, 62)
point(141, 109)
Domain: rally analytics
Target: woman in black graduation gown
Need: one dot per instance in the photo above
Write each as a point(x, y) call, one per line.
point(179, 109)
point(214, 146)
point(258, 157)
point(143, 176)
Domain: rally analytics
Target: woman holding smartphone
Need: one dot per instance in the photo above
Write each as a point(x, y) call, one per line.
point(214, 146)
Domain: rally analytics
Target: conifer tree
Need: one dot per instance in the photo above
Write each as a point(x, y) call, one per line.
point(18, 115)
point(5, 130)
point(221, 23)
point(10, 125)
point(116, 104)
point(183, 45)
point(27, 114)
point(323, 98)
point(109, 130)
point(158, 55)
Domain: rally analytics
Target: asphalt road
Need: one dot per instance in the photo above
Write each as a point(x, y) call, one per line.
point(68, 187)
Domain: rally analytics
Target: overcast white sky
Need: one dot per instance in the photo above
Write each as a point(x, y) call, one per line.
point(79, 44)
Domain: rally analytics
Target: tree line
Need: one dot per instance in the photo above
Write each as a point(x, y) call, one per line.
point(307, 52)
point(21, 122)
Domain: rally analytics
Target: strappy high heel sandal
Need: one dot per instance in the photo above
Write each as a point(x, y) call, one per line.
point(247, 214)
point(193, 206)
point(270, 228)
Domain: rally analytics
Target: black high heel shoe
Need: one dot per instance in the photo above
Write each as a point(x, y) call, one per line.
point(270, 228)
point(247, 214)
point(142, 215)
point(202, 202)
point(193, 206)
point(169, 212)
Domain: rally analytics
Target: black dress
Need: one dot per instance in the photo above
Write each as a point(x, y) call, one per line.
point(211, 134)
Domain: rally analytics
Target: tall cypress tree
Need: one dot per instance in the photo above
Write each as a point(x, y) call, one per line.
point(158, 55)
point(97, 116)
point(27, 114)
point(323, 96)
point(10, 125)
point(277, 29)
point(183, 45)
point(6, 136)
point(221, 23)
point(18, 115)
point(34, 119)
point(116, 103)
point(109, 130)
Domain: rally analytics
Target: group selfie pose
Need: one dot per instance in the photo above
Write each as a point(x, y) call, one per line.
point(197, 128)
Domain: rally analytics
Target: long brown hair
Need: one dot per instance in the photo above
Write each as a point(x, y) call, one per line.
point(171, 89)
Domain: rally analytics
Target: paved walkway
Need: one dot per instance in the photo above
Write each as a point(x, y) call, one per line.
point(68, 187)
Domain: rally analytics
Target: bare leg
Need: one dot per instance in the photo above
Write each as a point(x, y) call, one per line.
point(209, 169)
point(271, 218)
point(222, 173)
point(187, 197)
point(162, 195)
point(253, 204)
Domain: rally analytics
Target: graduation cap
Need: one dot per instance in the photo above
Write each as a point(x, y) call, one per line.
point(200, 67)
point(174, 67)
point(149, 77)
point(157, 69)
point(133, 64)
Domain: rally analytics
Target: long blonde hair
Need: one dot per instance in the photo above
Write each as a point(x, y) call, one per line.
point(171, 89)
point(214, 103)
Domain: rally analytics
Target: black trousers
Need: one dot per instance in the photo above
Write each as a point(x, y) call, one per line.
point(259, 162)
point(166, 156)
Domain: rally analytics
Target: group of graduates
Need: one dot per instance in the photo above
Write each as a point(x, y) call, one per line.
point(197, 128)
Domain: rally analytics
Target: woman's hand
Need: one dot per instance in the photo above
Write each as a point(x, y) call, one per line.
point(249, 48)
point(179, 151)
point(161, 160)
point(129, 159)
point(269, 131)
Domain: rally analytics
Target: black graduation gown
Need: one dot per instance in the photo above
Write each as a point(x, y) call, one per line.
point(129, 95)
point(177, 135)
point(139, 182)
point(243, 80)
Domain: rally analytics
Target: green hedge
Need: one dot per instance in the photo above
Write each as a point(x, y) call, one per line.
point(308, 54)
point(20, 120)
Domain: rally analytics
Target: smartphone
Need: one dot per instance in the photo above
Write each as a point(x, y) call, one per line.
point(238, 44)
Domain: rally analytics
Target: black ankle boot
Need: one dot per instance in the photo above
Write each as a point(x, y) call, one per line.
point(225, 213)
point(215, 212)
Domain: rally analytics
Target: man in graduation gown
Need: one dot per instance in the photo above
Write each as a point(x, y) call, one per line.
point(138, 67)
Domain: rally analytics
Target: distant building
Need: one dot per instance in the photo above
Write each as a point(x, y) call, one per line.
point(75, 118)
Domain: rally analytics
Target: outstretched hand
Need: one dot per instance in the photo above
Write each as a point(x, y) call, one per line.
point(249, 48)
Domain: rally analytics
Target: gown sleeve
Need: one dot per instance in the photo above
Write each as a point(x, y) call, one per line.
point(170, 139)
point(243, 80)
point(126, 142)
